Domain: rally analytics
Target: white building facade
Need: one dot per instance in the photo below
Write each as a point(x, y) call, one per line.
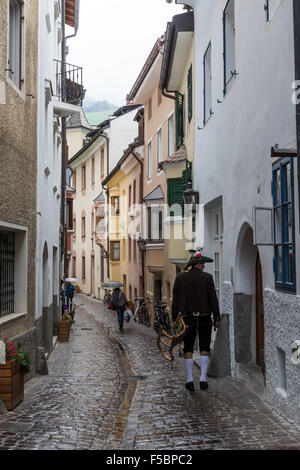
point(103, 147)
point(52, 108)
point(245, 169)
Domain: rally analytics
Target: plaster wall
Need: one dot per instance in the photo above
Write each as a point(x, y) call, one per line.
point(232, 161)
point(18, 163)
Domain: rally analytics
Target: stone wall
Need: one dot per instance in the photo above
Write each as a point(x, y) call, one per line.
point(282, 327)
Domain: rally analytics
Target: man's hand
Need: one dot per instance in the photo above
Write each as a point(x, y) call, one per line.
point(217, 324)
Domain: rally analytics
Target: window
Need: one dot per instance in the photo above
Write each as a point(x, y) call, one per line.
point(83, 267)
point(284, 226)
point(134, 192)
point(93, 171)
point(129, 196)
point(83, 227)
point(271, 7)
point(16, 43)
point(115, 251)
point(149, 160)
point(159, 96)
point(179, 119)
point(190, 93)
point(115, 202)
point(159, 146)
point(155, 223)
point(149, 109)
point(207, 89)
point(7, 272)
point(100, 219)
point(229, 45)
point(83, 177)
point(74, 266)
point(171, 136)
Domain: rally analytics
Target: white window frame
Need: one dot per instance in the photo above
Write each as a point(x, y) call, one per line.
point(20, 269)
point(171, 135)
point(16, 41)
point(159, 144)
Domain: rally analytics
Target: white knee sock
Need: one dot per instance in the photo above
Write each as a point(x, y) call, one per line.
point(204, 361)
point(189, 369)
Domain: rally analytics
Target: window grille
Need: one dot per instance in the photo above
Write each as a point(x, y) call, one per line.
point(7, 261)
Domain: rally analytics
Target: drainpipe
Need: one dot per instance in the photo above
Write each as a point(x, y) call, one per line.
point(141, 202)
point(297, 77)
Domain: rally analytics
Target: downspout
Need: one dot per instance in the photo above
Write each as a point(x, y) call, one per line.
point(296, 15)
point(141, 202)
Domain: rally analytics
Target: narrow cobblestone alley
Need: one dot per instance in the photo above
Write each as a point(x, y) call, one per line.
point(111, 390)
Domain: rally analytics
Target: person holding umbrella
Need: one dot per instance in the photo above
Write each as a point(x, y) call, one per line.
point(70, 291)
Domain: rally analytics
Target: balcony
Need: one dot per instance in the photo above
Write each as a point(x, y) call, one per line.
point(69, 90)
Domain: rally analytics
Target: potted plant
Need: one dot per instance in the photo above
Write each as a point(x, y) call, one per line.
point(12, 375)
point(64, 328)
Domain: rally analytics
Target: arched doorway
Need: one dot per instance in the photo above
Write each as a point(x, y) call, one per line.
point(248, 303)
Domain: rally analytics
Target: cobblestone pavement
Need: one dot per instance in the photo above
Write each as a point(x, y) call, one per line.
point(111, 390)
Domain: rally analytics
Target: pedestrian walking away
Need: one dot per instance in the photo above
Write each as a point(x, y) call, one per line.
point(70, 291)
point(120, 302)
point(195, 298)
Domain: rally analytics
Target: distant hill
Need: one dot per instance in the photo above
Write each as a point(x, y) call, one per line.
point(100, 116)
point(98, 111)
point(92, 106)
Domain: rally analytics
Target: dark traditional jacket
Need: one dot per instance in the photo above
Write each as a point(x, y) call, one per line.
point(194, 291)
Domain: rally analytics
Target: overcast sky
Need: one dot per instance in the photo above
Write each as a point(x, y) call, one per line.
point(113, 42)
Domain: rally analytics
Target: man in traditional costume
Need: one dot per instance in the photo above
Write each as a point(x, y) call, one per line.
point(195, 298)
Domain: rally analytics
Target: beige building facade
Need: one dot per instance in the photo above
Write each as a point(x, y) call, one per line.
point(159, 137)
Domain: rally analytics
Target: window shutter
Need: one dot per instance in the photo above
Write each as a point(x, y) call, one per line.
point(175, 190)
point(179, 119)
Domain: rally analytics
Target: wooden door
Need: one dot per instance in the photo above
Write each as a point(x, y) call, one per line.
point(260, 329)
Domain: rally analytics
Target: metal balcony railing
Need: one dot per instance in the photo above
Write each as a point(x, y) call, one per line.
point(69, 87)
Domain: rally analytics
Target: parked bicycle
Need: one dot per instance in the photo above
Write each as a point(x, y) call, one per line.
point(107, 297)
point(161, 317)
point(141, 312)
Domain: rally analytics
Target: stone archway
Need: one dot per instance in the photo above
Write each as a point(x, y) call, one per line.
point(244, 303)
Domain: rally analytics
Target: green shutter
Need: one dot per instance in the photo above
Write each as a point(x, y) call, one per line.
point(190, 93)
point(179, 119)
point(175, 190)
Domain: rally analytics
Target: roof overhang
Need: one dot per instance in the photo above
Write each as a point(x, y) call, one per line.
point(72, 13)
point(179, 39)
point(148, 76)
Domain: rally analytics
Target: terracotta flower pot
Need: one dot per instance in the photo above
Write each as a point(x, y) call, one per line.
point(11, 384)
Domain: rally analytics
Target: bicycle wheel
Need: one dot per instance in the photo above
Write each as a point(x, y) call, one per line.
point(106, 299)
